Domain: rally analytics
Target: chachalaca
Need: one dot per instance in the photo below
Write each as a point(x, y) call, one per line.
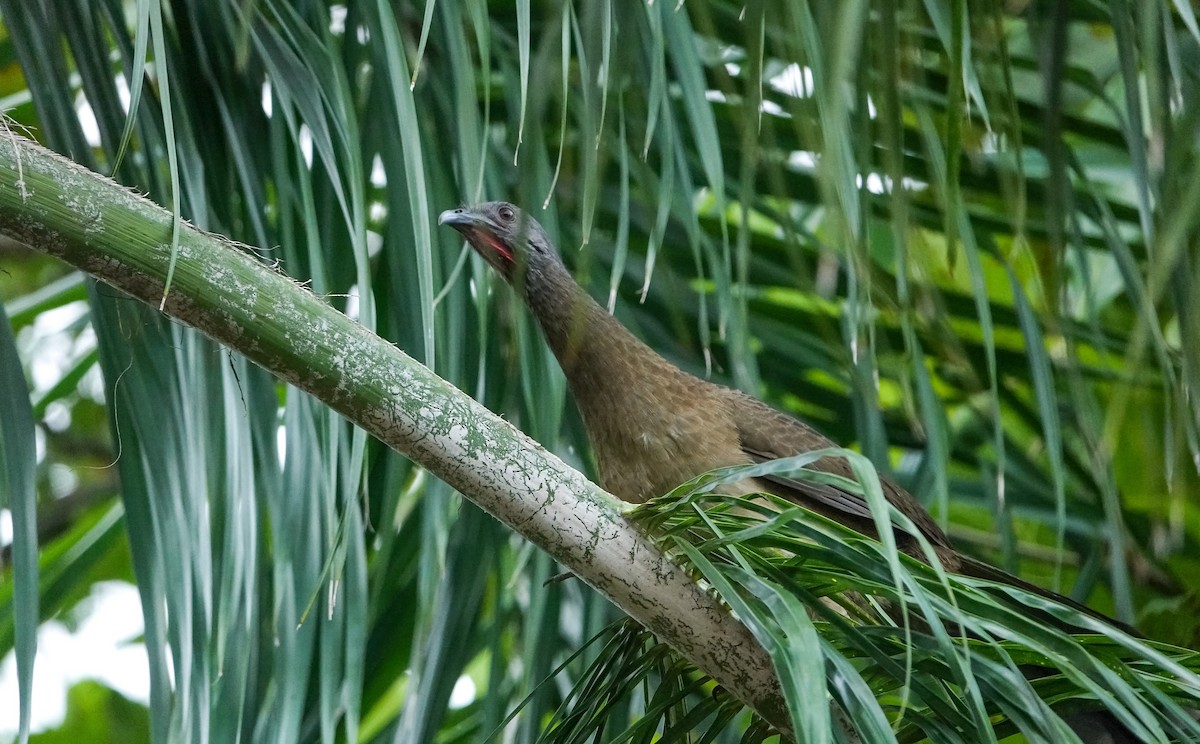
point(651, 425)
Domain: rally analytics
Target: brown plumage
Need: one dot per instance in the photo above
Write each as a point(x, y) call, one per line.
point(653, 426)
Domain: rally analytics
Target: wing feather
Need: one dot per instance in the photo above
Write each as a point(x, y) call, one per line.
point(767, 434)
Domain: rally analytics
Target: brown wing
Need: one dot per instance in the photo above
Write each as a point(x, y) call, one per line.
point(767, 434)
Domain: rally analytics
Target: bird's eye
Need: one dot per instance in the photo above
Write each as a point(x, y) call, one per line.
point(506, 214)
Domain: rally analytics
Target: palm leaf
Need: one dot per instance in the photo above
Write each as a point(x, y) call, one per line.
point(955, 236)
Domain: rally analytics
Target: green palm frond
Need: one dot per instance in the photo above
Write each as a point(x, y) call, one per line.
point(958, 237)
point(934, 654)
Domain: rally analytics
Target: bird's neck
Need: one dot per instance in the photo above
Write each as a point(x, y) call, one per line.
point(592, 347)
point(651, 425)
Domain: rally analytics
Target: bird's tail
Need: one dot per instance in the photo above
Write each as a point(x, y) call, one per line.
point(980, 570)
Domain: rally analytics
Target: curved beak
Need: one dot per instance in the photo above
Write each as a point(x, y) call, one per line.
point(457, 218)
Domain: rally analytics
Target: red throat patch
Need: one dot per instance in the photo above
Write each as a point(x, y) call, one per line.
point(496, 245)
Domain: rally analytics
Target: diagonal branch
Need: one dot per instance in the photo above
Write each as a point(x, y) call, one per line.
point(223, 290)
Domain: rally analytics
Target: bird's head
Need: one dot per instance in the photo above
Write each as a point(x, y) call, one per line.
point(508, 239)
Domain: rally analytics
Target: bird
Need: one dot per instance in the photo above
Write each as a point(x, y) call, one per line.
point(653, 426)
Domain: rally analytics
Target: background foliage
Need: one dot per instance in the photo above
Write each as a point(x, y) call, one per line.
point(957, 236)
